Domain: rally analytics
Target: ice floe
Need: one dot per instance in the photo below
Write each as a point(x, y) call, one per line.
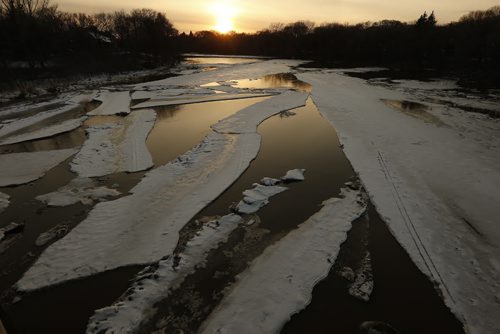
point(436, 187)
point(294, 175)
point(257, 197)
point(113, 103)
point(154, 284)
point(45, 132)
point(10, 229)
point(15, 126)
point(247, 119)
point(279, 282)
point(56, 232)
point(184, 99)
point(20, 168)
point(4, 201)
point(83, 190)
point(169, 93)
point(143, 227)
point(269, 181)
point(116, 147)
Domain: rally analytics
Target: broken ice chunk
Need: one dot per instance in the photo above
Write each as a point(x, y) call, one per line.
point(4, 201)
point(11, 229)
point(269, 181)
point(362, 286)
point(294, 175)
point(82, 190)
point(54, 233)
point(257, 197)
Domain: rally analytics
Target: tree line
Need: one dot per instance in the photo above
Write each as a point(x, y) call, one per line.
point(39, 35)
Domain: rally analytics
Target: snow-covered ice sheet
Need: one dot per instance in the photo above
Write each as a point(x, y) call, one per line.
point(83, 190)
point(143, 227)
point(113, 103)
point(257, 197)
point(247, 119)
point(279, 282)
point(436, 187)
point(20, 168)
point(116, 147)
point(45, 132)
point(4, 201)
point(137, 304)
point(16, 125)
point(185, 99)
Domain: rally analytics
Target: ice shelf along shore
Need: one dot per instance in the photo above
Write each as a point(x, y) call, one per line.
point(21, 168)
point(116, 147)
point(436, 187)
point(279, 282)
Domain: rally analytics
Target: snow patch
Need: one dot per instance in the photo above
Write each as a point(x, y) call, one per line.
point(20, 168)
point(279, 282)
point(119, 147)
point(83, 190)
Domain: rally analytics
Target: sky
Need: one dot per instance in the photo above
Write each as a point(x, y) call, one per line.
point(254, 15)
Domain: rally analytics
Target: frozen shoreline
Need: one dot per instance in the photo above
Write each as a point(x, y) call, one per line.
point(428, 183)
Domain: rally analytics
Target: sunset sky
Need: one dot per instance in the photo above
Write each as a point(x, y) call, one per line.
point(253, 15)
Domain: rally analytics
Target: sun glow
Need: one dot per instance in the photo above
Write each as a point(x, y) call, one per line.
point(224, 14)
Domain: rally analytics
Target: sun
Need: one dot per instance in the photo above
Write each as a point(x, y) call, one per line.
point(224, 15)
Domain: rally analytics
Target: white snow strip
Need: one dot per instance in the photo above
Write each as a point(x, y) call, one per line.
point(436, 187)
point(45, 132)
point(279, 282)
point(168, 93)
point(143, 227)
point(113, 103)
point(257, 197)
point(118, 147)
point(20, 168)
point(19, 124)
point(294, 175)
point(4, 201)
point(185, 99)
point(232, 72)
point(83, 190)
point(247, 119)
point(137, 304)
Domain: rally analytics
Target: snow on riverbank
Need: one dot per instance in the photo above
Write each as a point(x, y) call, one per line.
point(116, 147)
point(279, 282)
point(436, 187)
point(45, 132)
point(247, 120)
point(83, 190)
point(143, 227)
point(20, 168)
point(113, 103)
